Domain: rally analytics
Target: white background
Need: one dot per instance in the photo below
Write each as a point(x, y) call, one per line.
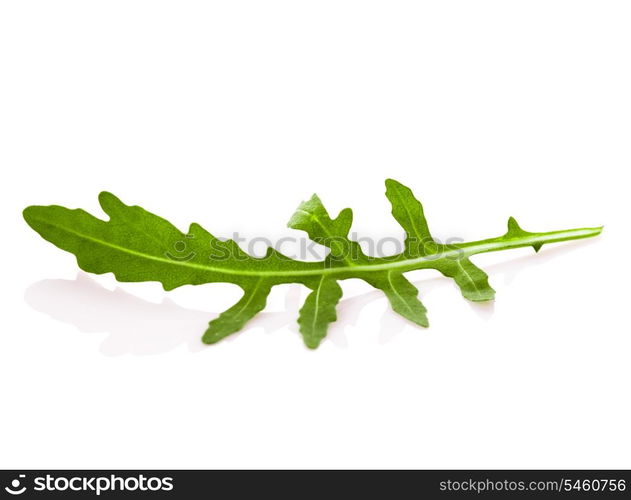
point(231, 113)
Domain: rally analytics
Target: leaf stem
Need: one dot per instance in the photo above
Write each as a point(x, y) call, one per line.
point(454, 252)
point(528, 239)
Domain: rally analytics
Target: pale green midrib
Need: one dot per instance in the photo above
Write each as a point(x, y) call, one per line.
point(528, 239)
point(458, 251)
point(471, 280)
point(250, 299)
point(409, 214)
point(394, 289)
point(317, 305)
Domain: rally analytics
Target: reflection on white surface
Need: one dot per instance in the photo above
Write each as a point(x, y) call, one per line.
point(134, 325)
point(138, 326)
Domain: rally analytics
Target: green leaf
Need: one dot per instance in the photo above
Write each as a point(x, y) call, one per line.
point(402, 296)
point(312, 217)
point(408, 212)
point(318, 311)
point(136, 245)
point(233, 319)
point(473, 282)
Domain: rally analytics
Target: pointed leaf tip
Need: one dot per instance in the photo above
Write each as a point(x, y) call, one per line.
point(513, 225)
point(514, 229)
point(304, 212)
point(314, 199)
point(312, 217)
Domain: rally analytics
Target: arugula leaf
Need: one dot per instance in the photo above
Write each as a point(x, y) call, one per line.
point(235, 318)
point(408, 212)
point(136, 245)
point(402, 295)
point(319, 310)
